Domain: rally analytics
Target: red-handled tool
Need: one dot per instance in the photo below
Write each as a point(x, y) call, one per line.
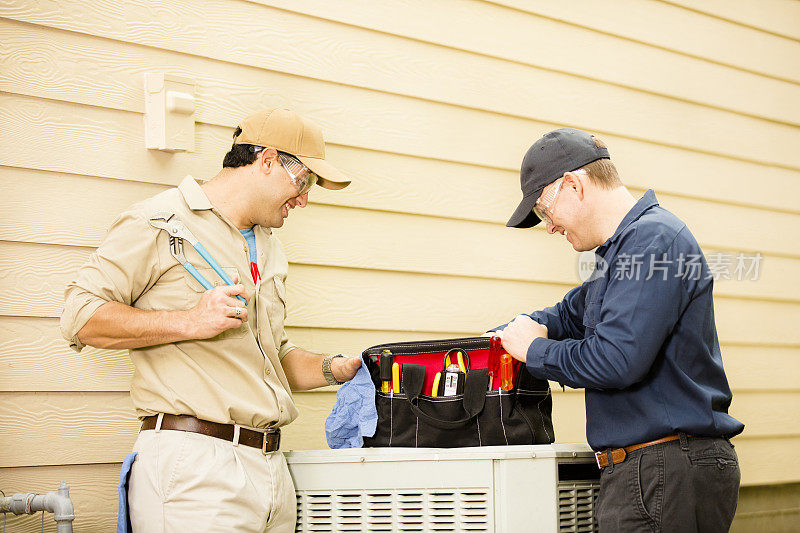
point(501, 365)
point(493, 366)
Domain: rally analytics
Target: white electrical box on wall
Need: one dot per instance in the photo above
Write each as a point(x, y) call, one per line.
point(493, 489)
point(169, 112)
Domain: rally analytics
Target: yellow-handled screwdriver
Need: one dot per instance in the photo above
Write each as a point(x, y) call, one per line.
point(461, 365)
point(435, 389)
point(386, 371)
point(396, 378)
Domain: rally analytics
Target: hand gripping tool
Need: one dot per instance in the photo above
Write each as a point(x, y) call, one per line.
point(177, 232)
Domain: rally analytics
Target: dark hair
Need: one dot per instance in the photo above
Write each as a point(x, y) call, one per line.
point(240, 155)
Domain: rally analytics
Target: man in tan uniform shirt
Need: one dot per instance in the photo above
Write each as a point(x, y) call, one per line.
point(224, 368)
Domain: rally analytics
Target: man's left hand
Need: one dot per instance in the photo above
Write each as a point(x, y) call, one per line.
point(345, 368)
point(519, 334)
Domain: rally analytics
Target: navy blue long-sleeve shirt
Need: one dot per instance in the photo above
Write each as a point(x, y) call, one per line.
point(640, 337)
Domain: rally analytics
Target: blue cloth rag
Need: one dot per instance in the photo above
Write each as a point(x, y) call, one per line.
point(354, 415)
point(123, 520)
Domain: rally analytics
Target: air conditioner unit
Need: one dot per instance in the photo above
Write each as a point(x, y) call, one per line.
point(497, 489)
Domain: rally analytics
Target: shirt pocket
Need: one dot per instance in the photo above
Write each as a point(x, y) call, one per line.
point(275, 307)
point(593, 305)
point(591, 316)
point(195, 292)
point(280, 291)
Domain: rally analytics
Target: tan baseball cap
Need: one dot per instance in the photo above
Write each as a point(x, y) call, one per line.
point(286, 131)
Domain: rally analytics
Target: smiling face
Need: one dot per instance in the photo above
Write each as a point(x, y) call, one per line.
point(564, 210)
point(276, 192)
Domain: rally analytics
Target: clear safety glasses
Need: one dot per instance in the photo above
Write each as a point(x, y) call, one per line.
point(546, 201)
point(302, 177)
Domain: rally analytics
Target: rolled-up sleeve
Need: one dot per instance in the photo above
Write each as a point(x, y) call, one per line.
point(630, 327)
point(121, 269)
point(563, 320)
point(286, 346)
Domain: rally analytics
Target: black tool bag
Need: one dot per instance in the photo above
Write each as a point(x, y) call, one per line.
point(478, 417)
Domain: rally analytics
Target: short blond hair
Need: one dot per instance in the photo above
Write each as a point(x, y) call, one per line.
point(602, 172)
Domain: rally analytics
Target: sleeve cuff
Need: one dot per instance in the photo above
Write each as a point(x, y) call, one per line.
point(74, 318)
point(286, 347)
point(537, 353)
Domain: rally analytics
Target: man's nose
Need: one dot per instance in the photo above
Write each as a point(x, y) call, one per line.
point(301, 200)
point(551, 228)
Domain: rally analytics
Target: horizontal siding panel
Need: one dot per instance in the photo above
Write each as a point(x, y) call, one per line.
point(539, 42)
point(81, 64)
point(363, 299)
point(781, 17)
point(56, 428)
point(384, 63)
point(92, 489)
point(762, 368)
point(308, 431)
point(457, 247)
point(34, 357)
point(569, 414)
point(656, 23)
point(767, 413)
point(33, 126)
point(25, 197)
point(763, 461)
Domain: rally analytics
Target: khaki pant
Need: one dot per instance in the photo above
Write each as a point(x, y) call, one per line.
point(184, 481)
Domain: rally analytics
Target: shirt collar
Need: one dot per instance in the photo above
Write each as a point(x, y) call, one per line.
point(645, 202)
point(195, 198)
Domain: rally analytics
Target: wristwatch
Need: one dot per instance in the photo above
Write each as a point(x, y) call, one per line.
point(326, 369)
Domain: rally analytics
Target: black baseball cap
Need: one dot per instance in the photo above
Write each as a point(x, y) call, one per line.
point(557, 152)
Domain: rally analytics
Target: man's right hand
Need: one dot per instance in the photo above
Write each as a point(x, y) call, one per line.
point(216, 311)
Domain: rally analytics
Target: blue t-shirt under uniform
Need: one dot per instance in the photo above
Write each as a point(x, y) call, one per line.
point(250, 237)
point(641, 337)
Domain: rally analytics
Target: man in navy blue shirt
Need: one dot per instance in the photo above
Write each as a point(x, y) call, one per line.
point(639, 336)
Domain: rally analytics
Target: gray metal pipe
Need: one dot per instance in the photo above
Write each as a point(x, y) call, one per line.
point(57, 503)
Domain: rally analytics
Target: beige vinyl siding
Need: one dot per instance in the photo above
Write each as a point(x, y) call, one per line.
point(431, 117)
point(779, 17)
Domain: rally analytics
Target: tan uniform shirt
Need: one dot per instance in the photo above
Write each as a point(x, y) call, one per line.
point(235, 377)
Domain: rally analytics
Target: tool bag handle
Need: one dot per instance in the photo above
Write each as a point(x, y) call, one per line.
point(474, 395)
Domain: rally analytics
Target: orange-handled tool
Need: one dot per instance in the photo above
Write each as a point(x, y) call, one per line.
point(506, 372)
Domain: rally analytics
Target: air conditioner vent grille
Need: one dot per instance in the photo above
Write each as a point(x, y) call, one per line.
point(402, 511)
point(576, 501)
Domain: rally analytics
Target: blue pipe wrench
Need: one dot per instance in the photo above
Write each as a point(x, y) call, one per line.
point(177, 232)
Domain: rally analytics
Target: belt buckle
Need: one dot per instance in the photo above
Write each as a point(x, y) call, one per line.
point(597, 459)
point(264, 443)
point(268, 433)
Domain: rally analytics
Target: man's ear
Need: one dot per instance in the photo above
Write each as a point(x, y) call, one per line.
point(266, 159)
point(575, 181)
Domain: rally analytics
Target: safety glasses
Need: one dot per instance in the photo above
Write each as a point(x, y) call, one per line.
point(546, 202)
point(302, 177)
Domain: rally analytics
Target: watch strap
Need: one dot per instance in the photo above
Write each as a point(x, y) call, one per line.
point(326, 369)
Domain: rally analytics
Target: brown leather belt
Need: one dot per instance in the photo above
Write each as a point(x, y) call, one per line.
point(619, 454)
point(267, 441)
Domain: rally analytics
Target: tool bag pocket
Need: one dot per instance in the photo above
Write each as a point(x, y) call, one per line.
point(478, 417)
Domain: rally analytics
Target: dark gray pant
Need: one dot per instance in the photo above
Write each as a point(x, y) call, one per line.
point(687, 485)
